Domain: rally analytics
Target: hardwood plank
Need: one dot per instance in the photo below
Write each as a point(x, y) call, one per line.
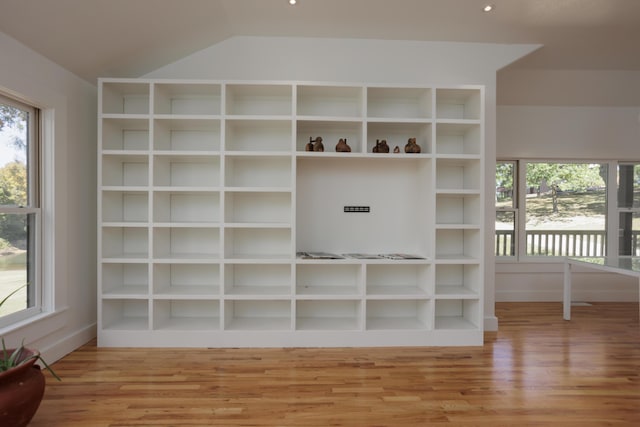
point(537, 370)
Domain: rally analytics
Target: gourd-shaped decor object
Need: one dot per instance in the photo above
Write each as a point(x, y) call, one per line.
point(342, 146)
point(411, 146)
point(309, 146)
point(381, 146)
point(396, 150)
point(316, 144)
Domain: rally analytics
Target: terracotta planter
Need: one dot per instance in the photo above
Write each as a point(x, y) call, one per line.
point(21, 391)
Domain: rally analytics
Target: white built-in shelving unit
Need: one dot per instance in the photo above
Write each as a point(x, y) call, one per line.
point(206, 196)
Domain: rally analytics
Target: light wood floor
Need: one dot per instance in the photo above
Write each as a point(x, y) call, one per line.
point(537, 370)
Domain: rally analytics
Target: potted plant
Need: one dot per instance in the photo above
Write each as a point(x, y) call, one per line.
point(21, 382)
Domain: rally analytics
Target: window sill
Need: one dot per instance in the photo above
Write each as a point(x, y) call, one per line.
point(34, 328)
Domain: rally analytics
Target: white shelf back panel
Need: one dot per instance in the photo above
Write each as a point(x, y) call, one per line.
point(326, 185)
point(461, 104)
point(330, 101)
point(125, 134)
point(186, 279)
point(186, 135)
point(398, 314)
point(257, 207)
point(257, 242)
point(187, 99)
point(125, 98)
point(186, 207)
point(268, 100)
point(458, 279)
point(186, 171)
point(258, 135)
point(259, 279)
point(125, 314)
point(331, 133)
point(456, 138)
point(398, 134)
point(257, 315)
point(126, 242)
point(458, 243)
point(386, 279)
point(458, 209)
point(405, 103)
point(125, 171)
point(178, 243)
point(328, 279)
point(120, 206)
point(257, 171)
point(458, 174)
point(186, 315)
point(328, 315)
point(125, 278)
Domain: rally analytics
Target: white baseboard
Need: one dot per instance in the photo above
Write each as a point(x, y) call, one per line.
point(490, 323)
point(66, 345)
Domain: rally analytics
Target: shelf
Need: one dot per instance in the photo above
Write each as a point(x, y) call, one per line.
point(458, 174)
point(457, 314)
point(412, 280)
point(459, 138)
point(187, 99)
point(398, 314)
point(257, 280)
point(458, 209)
point(328, 315)
point(328, 280)
point(458, 281)
point(125, 170)
point(125, 98)
point(186, 207)
point(398, 134)
point(404, 103)
point(186, 280)
point(258, 171)
point(258, 207)
point(255, 99)
point(186, 243)
point(258, 135)
point(257, 243)
point(458, 243)
point(460, 104)
point(186, 315)
point(186, 171)
point(331, 132)
point(125, 280)
point(257, 315)
point(125, 242)
point(125, 134)
point(125, 314)
point(125, 206)
point(184, 134)
point(330, 101)
point(207, 193)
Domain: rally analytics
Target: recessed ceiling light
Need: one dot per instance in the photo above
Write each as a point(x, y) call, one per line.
point(488, 8)
point(292, 2)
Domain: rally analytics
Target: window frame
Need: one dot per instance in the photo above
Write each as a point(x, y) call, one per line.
point(33, 207)
point(611, 211)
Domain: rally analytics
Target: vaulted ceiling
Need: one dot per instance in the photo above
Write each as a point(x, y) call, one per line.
point(94, 38)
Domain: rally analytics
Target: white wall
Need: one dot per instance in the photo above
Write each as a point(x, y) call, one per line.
point(609, 129)
point(69, 106)
point(365, 61)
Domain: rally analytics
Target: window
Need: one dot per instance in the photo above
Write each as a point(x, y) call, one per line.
point(629, 208)
point(506, 209)
point(547, 209)
point(20, 216)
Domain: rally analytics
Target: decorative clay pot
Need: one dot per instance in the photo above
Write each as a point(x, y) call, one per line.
point(21, 391)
